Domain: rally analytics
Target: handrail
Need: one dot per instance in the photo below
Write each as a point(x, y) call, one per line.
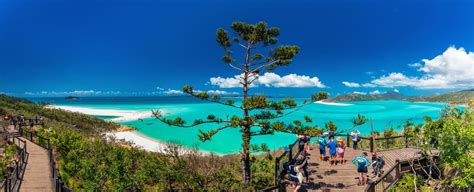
point(58, 184)
point(14, 178)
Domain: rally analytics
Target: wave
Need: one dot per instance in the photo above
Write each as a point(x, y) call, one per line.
point(122, 115)
point(335, 104)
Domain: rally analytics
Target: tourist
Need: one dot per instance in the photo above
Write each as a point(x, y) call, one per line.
point(302, 160)
point(374, 162)
point(355, 138)
point(296, 177)
point(379, 164)
point(332, 145)
point(362, 163)
point(303, 143)
point(322, 146)
point(341, 148)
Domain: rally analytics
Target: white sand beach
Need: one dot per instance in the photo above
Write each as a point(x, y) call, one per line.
point(335, 104)
point(148, 144)
point(137, 139)
point(122, 115)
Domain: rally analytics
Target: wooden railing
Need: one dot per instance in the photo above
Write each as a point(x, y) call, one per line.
point(11, 181)
point(290, 153)
point(395, 172)
point(383, 143)
point(58, 184)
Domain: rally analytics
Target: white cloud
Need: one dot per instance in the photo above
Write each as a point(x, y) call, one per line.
point(173, 92)
point(396, 91)
point(454, 68)
point(415, 65)
point(376, 92)
point(368, 85)
point(369, 72)
point(353, 84)
point(270, 80)
point(360, 93)
point(350, 84)
point(230, 82)
point(220, 92)
point(159, 88)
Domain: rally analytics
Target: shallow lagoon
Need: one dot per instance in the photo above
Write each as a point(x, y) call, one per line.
point(384, 114)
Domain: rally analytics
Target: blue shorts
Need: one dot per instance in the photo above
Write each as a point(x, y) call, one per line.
point(362, 169)
point(322, 151)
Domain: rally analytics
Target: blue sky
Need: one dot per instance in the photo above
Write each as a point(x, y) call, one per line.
point(125, 47)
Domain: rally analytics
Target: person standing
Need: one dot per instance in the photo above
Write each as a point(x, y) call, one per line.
point(332, 145)
point(362, 163)
point(341, 148)
point(322, 146)
point(355, 138)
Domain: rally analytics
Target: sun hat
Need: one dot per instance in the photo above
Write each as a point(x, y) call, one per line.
point(373, 153)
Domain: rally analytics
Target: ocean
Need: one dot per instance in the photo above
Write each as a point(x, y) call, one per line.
point(384, 114)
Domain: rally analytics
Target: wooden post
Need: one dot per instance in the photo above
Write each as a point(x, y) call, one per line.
point(398, 169)
point(370, 186)
point(5, 188)
point(277, 167)
point(289, 153)
point(372, 137)
point(17, 170)
point(406, 140)
point(348, 139)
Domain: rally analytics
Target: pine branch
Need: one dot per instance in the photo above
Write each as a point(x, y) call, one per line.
point(179, 122)
point(206, 136)
point(205, 96)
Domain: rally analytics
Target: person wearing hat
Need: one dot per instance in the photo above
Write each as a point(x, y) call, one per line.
point(378, 165)
point(374, 162)
point(341, 148)
point(355, 138)
point(362, 163)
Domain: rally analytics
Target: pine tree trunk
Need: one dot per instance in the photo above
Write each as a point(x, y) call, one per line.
point(246, 140)
point(246, 127)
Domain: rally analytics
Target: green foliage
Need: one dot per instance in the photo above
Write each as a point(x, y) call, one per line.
point(330, 126)
point(456, 145)
point(319, 96)
point(211, 117)
point(359, 120)
point(408, 182)
point(308, 119)
point(256, 102)
point(229, 102)
point(289, 102)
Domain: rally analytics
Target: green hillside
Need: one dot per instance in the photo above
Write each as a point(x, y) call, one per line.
point(368, 97)
point(460, 97)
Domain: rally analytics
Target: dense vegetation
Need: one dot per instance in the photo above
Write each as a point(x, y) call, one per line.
point(88, 162)
point(453, 136)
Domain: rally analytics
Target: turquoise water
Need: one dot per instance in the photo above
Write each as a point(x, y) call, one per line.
point(385, 114)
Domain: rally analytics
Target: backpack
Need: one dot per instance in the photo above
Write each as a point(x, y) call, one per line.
point(360, 164)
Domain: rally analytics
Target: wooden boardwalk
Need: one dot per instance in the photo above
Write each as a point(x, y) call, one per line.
point(324, 177)
point(37, 174)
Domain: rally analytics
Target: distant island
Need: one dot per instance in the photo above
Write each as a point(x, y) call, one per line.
point(72, 97)
point(457, 98)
